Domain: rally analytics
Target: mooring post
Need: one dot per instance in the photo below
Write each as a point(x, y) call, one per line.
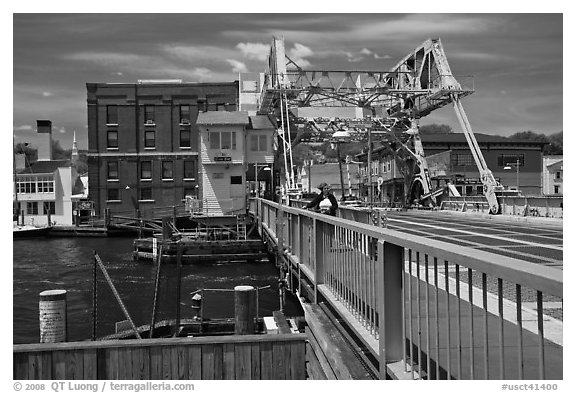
point(107, 217)
point(178, 287)
point(139, 215)
point(244, 309)
point(166, 231)
point(53, 316)
point(94, 299)
point(389, 270)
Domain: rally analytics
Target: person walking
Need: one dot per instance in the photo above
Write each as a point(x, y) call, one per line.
point(325, 202)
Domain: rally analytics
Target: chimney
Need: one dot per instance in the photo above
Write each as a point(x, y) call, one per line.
point(44, 129)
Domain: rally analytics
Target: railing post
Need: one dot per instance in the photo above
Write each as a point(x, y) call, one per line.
point(280, 228)
point(295, 247)
point(174, 215)
point(259, 215)
point(318, 254)
point(389, 272)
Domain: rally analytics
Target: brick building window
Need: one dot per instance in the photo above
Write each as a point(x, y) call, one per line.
point(112, 139)
point(149, 114)
point(145, 194)
point(510, 159)
point(146, 170)
point(112, 114)
point(113, 194)
point(462, 159)
point(113, 170)
point(167, 170)
point(150, 139)
point(190, 191)
point(189, 169)
point(184, 114)
point(185, 139)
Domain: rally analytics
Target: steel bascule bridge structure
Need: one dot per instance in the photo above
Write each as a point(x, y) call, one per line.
point(396, 99)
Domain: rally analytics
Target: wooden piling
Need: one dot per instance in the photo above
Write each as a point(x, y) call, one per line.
point(53, 316)
point(244, 309)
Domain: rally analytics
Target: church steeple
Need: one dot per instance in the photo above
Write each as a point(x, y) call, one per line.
point(74, 149)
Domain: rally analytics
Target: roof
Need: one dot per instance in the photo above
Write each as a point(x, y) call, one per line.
point(458, 137)
point(222, 117)
point(329, 173)
point(46, 166)
point(555, 164)
point(260, 122)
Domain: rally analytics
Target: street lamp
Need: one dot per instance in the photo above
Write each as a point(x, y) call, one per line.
point(517, 165)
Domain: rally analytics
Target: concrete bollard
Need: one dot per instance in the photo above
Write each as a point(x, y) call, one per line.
point(53, 318)
point(244, 309)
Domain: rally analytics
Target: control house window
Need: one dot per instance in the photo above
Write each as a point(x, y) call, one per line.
point(113, 170)
point(146, 170)
point(112, 114)
point(235, 179)
point(189, 169)
point(150, 139)
point(185, 140)
point(258, 142)
point(225, 140)
point(112, 139)
point(149, 114)
point(167, 170)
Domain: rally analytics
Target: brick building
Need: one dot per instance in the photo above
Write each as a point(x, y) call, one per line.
point(143, 142)
point(449, 157)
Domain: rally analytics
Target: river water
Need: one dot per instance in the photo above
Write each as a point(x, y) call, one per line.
point(68, 263)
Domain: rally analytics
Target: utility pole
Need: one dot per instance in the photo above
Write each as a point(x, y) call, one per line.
point(370, 190)
point(256, 176)
point(340, 168)
point(518, 174)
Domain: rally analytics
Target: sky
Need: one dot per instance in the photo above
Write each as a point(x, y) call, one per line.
point(515, 59)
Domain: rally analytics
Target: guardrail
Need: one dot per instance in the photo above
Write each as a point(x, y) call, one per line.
point(524, 206)
point(425, 309)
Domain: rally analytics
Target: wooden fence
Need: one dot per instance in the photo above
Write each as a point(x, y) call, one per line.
point(274, 356)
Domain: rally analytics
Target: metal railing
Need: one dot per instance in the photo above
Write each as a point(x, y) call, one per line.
point(525, 206)
point(465, 312)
